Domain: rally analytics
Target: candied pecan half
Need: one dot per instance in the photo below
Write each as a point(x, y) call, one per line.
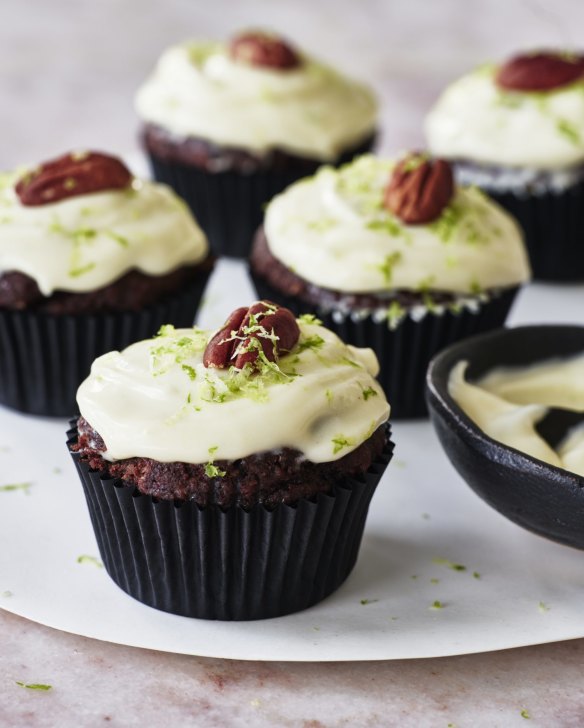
point(263, 326)
point(542, 71)
point(73, 174)
point(265, 50)
point(419, 189)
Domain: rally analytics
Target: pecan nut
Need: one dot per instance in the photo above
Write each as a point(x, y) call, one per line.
point(419, 189)
point(263, 328)
point(73, 174)
point(543, 71)
point(263, 49)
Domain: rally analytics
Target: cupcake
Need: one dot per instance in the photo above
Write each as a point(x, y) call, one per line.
point(236, 468)
point(91, 259)
point(391, 256)
point(517, 131)
point(228, 125)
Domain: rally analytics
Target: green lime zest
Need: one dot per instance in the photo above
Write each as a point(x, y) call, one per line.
point(340, 442)
point(87, 559)
point(369, 392)
point(10, 487)
point(309, 318)
point(449, 564)
point(569, 131)
point(34, 686)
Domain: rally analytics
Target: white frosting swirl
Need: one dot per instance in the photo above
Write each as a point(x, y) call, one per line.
point(332, 230)
point(197, 90)
point(157, 400)
point(84, 243)
point(508, 403)
point(476, 120)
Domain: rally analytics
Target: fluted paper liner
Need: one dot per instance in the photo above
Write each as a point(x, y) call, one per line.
point(553, 224)
point(45, 357)
point(404, 352)
point(228, 564)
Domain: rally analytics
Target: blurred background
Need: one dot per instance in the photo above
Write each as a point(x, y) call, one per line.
point(69, 68)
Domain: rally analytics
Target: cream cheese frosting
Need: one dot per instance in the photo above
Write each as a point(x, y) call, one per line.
point(156, 399)
point(197, 90)
point(508, 403)
point(86, 242)
point(333, 230)
point(476, 120)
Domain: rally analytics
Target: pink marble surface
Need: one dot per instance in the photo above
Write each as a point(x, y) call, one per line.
point(67, 75)
point(100, 684)
point(69, 70)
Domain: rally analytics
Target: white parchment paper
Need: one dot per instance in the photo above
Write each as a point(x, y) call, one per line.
point(430, 542)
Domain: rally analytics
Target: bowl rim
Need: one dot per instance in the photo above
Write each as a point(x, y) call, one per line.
point(439, 398)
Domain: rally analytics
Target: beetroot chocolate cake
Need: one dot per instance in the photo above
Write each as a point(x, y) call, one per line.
point(268, 478)
point(265, 438)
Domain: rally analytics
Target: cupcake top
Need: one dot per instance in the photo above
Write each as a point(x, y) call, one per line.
point(264, 381)
point(508, 403)
point(259, 94)
point(528, 112)
point(378, 225)
point(79, 222)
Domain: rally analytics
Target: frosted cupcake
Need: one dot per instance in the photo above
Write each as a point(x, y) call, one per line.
point(228, 125)
point(235, 466)
point(517, 131)
point(392, 256)
point(90, 259)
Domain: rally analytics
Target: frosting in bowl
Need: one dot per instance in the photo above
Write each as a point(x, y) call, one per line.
point(333, 230)
point(508, 403)
point(156, 399)
point(476, 120)
point(86, 242)
point(197, 90)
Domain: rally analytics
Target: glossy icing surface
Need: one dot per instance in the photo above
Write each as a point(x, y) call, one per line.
point(86, 242)
point(197, 90)
point(333, 230)
point(156, 399)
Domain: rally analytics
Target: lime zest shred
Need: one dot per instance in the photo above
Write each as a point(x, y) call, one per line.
point(569, 131)
point(87, 559)
point(34, 686)
point(10, 487)
point(310, 319)
point(340, 442)
point(449, 564)
point(369, 392)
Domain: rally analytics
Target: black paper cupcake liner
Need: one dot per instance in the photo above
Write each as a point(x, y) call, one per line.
point(228, 205)
point(231, 564)
point(405, 351)
point(45, 357)
point(553, 223)
point(552, 219)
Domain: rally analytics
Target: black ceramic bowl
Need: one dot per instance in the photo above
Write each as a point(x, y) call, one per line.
point(542, 498)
